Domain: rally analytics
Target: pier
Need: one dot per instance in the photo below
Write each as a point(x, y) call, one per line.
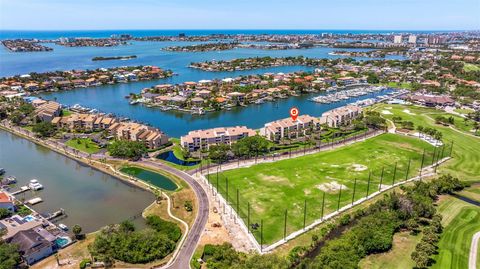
point(21, 190)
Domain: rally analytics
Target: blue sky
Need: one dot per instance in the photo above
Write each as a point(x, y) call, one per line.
point(240, 14)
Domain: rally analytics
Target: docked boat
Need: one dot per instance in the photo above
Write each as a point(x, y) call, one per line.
point(10, 180)
point(63, 226)
point(35, 185)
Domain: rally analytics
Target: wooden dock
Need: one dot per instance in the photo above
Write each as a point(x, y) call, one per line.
point(34, 201)
point(21, 190)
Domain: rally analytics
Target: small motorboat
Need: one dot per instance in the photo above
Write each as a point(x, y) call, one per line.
point(35, 185)
point(63, 226)
point(11, 180)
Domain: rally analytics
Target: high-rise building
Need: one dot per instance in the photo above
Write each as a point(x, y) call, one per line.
point(397, 39)
point(412, 39)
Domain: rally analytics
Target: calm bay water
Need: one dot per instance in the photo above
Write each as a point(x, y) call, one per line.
point(111, 98)
point(91, 198)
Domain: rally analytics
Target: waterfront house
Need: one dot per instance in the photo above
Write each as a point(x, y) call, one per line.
point(31, 87)
point(6, 201)
point(236, 97)
point(203, 139)
point(204, 93)
point(341, 116)
point(16, 224)
point(289, 129)
point(33, 246)
point(197, 101)
point(84, 122)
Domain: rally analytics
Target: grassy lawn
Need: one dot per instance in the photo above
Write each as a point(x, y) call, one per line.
point(404, 85)
point(461, 220)
point(272, 188)
point(398, 257)
point(151, 177)
point(466, 157)
point(471, 67)
point(83, 144)
point(463, 111)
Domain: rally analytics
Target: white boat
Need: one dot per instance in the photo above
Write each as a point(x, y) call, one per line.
point(35, 185)
point(63, 226)
point(11, 180)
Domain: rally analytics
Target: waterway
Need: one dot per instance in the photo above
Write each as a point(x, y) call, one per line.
point(110, 98)
point(90, 198)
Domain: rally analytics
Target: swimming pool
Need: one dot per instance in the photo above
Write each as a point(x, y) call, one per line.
point(29, 218)
point(62, 241)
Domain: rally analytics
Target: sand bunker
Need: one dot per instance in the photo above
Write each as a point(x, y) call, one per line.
point(386, 112)
point(331, 187)
point(388, 107)
point(408, 112)
point(358, 167)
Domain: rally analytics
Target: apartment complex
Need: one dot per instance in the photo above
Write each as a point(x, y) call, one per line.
point(290, 129)
point(84, 122)
point(203, 139)
point(341, 116)
point(152, 137)
point(47, 110)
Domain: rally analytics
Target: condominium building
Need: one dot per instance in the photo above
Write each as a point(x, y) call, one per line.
point(397, 39)
point(48, 110)
point(203, 139)
point(290, 129)
point(341, 116)
point(152, 137)
point(412, 39)
point(84, 121)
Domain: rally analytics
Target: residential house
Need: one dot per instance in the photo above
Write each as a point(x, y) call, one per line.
point(6, 201)
point(48, 111)
point(32, 246)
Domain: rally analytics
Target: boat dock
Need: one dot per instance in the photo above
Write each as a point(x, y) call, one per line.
point(34, 201)
point(56, 214)
point(21, 190)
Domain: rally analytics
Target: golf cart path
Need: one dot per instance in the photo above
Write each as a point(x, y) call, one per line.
point(472, 260)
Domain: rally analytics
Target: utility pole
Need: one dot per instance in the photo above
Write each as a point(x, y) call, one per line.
point(285, 226)
point(368, 184)
point(354, 187)
point(323, 205)
point(339, 196)
point(248, 216)
point(408, 168)
point(381, 180)
point(394, 173)
point(304, 213)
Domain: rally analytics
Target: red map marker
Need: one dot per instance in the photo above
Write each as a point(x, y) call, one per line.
point(294, 113)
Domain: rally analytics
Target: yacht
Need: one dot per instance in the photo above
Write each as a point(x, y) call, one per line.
point(35, 185)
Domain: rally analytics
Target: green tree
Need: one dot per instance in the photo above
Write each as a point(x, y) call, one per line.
point(127, 149)
point(218, 153)
point(77, 230)
point(44, 129)
point(9, 256)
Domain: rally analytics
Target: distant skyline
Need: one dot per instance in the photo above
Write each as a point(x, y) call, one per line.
point(240, 14)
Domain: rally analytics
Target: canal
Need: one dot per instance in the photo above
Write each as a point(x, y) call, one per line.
point(90, 198)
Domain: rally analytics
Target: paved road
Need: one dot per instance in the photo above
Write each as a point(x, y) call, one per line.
point(184, 255)
point(472, 260)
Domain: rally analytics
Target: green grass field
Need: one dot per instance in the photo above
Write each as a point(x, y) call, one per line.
point(398, 257)
point(83, 144)
point(471, 67)
point(466, 154)
point(461, 220)
point(273, 188)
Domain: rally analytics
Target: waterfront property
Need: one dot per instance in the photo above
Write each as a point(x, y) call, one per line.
point(431, 100)
point(152, 137)
point(341, 116)
point(84, 122)
point(203, 139)
point(46, 110)
point(291, 129)
point(6, 201)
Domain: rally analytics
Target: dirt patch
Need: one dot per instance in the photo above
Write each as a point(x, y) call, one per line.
point(275, 179)
point(408, 112)
point(358, 167)
point(331, 187)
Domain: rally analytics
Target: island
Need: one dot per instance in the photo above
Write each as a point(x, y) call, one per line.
point(100, 58)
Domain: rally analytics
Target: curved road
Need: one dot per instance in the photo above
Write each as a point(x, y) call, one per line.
point(185, 253)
